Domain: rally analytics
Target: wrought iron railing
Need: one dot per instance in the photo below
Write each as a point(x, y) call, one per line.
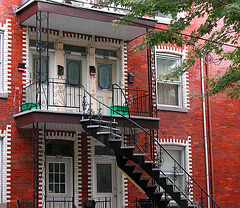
point(97, 4)
point(137, 102)
point(65, 202)
point(152, 148)
point(25, 203)
point(58, 94)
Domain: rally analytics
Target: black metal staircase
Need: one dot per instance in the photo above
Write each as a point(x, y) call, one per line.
point(136, 166)
point(140, 166)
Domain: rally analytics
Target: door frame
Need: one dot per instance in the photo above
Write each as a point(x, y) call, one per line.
point(117, 176)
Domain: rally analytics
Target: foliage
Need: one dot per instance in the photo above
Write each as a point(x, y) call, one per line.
point(217, 34)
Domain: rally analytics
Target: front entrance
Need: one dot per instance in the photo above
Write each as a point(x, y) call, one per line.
point(106, 76)
point(59, 188)
point(105, 182)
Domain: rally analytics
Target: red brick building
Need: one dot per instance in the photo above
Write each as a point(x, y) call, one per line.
point(62, 66)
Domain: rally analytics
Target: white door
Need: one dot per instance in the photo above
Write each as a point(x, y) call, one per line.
point(59, 183)
point(106, 76)
point(105, 189)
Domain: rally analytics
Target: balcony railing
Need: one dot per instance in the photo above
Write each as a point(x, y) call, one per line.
point(66, 202)
point(104, 5)
point(58, 94)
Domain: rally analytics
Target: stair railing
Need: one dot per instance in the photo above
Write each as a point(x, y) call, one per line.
point(200, 203)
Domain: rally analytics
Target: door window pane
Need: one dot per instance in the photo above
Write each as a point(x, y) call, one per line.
point(104, 178)
point(57, 177)
point(104, 76)
point(44, 69)
point(74, 72)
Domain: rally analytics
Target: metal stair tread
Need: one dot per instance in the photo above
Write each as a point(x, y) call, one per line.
point(101, 126)
point(139, 154)
point(127, 147)
point(108, 133)
point(98, 121)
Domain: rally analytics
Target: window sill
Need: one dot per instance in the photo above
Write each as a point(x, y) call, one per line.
point(3, 95)
point(172, 108)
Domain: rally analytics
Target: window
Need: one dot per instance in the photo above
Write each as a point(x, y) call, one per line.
point(57, 177)
point(170, 168)
point(168, 92)
point(104, 178)
point(74, 72)
point(1, 61)
point(104, 76)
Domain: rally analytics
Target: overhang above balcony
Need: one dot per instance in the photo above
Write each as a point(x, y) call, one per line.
point(90, 21)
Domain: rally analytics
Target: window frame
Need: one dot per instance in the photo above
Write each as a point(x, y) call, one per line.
point(68, 175)
point(179, 83)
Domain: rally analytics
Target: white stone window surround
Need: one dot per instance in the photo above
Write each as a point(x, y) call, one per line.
point(185, 145)
point(5, 60)
point(174, 51)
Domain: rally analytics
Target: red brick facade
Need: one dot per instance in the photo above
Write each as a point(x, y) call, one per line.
point(223, 124)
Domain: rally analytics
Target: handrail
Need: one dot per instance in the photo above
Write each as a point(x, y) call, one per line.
point(133, 123)
point(155, 140)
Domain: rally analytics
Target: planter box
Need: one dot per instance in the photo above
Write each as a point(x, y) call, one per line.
point(124, 110)
point(29, 106)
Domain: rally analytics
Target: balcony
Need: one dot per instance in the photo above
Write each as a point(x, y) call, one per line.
point(85, 17)
point(61, 105)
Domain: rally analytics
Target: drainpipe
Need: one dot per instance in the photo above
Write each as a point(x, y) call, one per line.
point(210, 135)
point(205, 131)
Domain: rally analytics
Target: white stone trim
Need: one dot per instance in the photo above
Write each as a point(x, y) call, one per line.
point(7, 55)
point(186, 143)
point(61, 136)
point(77, 170)
point(42, 185)
point(123, 67)
point(25, 54)
point(5, 135)
point(125, 191)
point(90, 147)
point(183, 52)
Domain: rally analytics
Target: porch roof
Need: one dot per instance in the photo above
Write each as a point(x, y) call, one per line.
point(79, 19)
point(70, 121)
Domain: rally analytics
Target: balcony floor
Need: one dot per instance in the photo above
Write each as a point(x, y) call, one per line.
point(70, 121)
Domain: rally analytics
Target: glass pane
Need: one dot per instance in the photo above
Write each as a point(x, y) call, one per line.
point(62, 167)
point(104, 178)
point(74, 71)
point(168, 94)
point(56, 188)
point(57, 176)
point(62, 178)
point(50, 177)
point(166, 65)
point(56, 167)
point(51, 188)
point(62, 188)
point(104, 76)
point(50, 167)
point(168, 165)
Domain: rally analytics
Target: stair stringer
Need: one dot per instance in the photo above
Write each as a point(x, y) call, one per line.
point(116, 144)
